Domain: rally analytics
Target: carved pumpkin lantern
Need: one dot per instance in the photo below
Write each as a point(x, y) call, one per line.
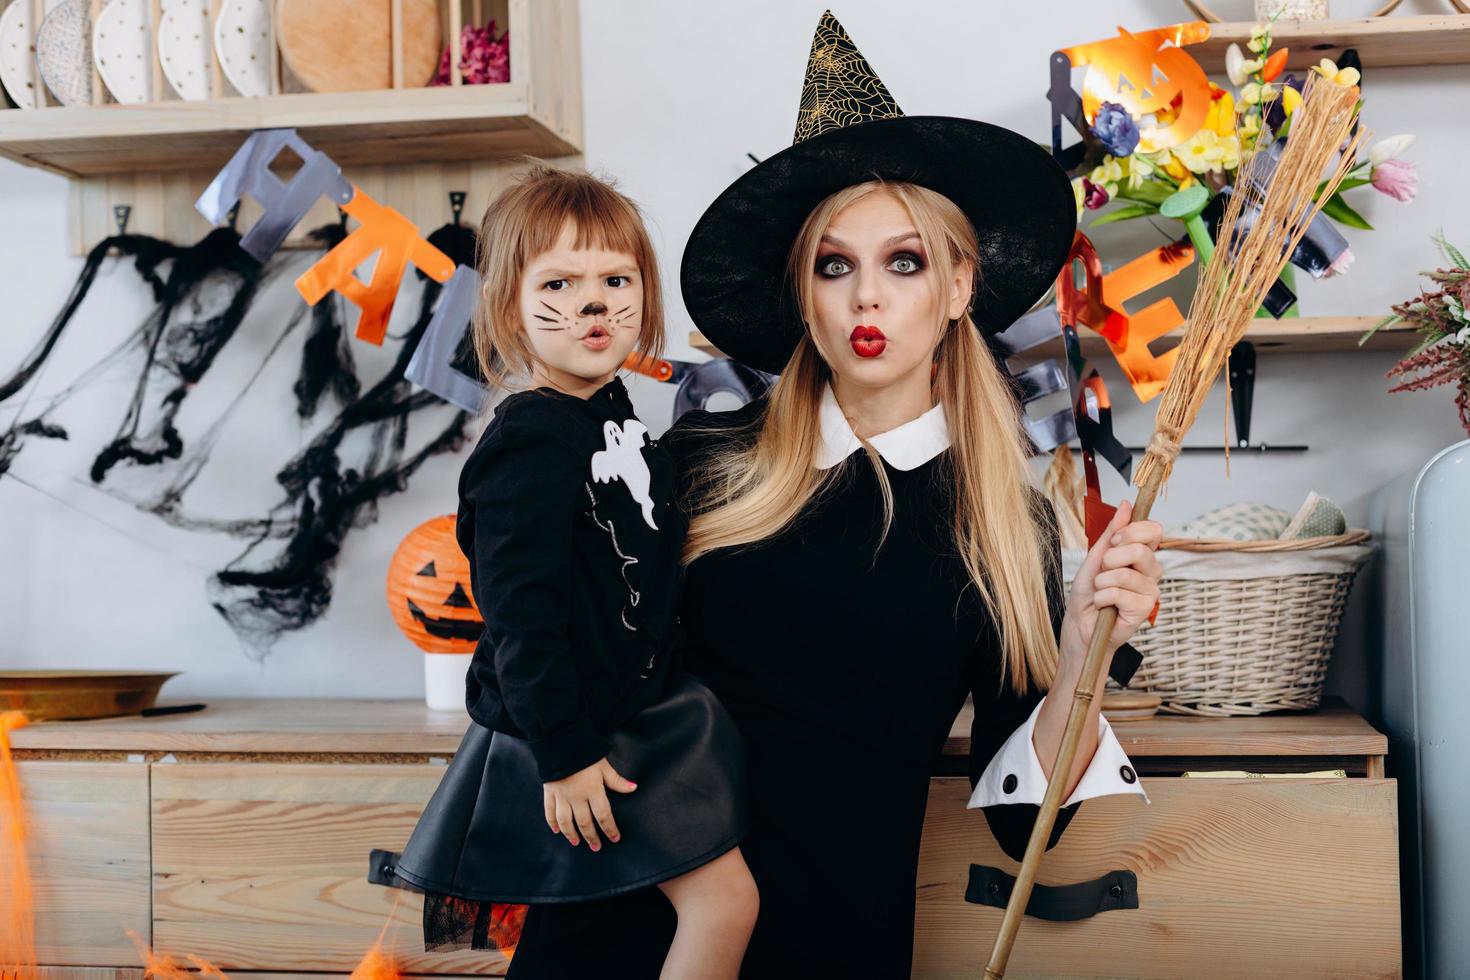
point(429, 597)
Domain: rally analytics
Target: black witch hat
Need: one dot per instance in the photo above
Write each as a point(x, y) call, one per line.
point(850, 130)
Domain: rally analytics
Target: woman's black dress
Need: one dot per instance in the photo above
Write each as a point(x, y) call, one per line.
point(844, 671)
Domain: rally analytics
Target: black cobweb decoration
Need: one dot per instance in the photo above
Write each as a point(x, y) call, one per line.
point(282, 580)
point(326, 498)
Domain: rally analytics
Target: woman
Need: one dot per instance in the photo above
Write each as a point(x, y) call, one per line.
point(864, 549)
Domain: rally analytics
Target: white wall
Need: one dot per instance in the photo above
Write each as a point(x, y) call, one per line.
point(676, 93)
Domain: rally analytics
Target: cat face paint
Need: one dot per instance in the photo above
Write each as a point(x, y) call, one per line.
point(581, 310)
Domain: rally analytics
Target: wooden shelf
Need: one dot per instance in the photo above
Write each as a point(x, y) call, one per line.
point(1293, 335)
point(1382, 42)
point(467, 122)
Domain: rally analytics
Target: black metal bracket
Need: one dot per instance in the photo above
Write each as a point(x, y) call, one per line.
point(1242, 390)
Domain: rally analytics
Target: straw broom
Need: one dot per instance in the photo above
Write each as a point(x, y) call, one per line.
point(1247, 260)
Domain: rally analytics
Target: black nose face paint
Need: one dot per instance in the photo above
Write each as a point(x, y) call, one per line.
point(594, 308)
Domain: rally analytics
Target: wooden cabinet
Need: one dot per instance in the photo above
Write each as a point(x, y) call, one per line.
point(88, 827)
point(1236, 878)
point(241, 834)
point(263, 866)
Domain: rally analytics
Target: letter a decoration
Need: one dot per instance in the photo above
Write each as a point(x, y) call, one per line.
point(397, 242)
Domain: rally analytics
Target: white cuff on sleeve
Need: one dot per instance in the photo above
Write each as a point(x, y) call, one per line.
point(1015, 774)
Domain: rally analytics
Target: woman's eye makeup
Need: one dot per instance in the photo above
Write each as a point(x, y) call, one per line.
point(832, 266)
point(906, 263)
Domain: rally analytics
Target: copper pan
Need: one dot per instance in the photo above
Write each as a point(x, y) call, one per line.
point(57, 695)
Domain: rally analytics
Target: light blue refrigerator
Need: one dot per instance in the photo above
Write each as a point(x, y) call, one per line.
point(1419, 693)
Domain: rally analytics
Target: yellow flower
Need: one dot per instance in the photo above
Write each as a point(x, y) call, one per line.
point(1224, 111)
point(1250, 93)
point(1229, 151)
point(1175, 168)
point(1250, 126)
point(1290, 99)
point(1202, 152)
point(1138, 169)
point(1328, 69)
point(1108, 173)
point(1077, 193)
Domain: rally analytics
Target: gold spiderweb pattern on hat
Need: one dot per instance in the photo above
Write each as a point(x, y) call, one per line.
point(841, 88)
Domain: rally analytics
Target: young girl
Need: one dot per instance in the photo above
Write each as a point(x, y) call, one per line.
point(574, 691)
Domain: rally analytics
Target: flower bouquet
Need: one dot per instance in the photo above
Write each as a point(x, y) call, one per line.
point(484, 57)
point(1180, 181)
point(1443, 356)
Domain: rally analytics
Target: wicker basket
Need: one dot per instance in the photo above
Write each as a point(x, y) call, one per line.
point(1244, 627)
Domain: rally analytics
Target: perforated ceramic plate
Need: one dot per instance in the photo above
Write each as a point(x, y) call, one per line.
point(122, 46)
point(56, 695)
point(242, 41)
point(183, 47)
point(64, 52)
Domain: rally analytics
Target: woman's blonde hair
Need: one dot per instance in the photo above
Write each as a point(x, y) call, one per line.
point(751, 491)
point(525, 220)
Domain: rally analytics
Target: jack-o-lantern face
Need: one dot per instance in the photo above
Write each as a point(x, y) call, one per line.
point(429, 590)
point(1162, 87)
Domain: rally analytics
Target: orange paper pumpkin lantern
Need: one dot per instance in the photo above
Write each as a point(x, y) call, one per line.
point(429, 590)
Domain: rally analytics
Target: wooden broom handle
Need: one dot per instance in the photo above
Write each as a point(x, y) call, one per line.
point(1060, 771)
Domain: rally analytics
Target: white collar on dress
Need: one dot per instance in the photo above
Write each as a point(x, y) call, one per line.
point(907, 447)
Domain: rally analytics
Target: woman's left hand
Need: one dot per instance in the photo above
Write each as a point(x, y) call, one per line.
point(1120, 570)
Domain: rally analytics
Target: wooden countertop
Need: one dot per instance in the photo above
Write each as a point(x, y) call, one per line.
point(351, 727)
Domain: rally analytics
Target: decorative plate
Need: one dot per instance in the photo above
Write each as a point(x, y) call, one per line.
point(242, 41)
point(64, 52)
point(183, 47)
point(122, 46)
point(15, 55)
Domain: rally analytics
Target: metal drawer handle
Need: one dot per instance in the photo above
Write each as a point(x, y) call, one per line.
point(1056, 903)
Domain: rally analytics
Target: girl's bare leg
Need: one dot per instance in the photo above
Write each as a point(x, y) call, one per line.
point(717, 905)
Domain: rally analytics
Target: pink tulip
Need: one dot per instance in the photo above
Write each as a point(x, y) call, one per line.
point(1399, 179)
point(1094, 196)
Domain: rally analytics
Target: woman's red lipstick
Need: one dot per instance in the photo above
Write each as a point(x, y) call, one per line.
point(867, 341)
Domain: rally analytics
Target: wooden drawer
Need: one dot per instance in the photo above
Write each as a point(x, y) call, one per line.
point(88, 824)
point(263, 866)
point(1236, 877)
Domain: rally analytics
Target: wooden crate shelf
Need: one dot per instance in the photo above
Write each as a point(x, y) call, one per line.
point(1293, 335)
point(1382, 42)
point(468, 122)
point(405, 146)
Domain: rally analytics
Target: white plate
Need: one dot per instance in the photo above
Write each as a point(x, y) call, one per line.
point(183, 47)
point(242, 42)
point(15, 49)
point(64, 52)
point(122, 46)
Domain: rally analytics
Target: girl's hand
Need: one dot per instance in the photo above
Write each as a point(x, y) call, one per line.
point(1123, 573)
point(579, 802)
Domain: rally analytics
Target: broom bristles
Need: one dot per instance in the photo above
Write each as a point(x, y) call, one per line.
point(1249, 256)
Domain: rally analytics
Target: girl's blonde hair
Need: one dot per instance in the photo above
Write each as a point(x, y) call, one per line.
point(751, 491)
point(525, 220)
